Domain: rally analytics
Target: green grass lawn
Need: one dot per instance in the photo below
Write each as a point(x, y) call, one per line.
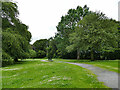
point(111, 65)
point(39, 74)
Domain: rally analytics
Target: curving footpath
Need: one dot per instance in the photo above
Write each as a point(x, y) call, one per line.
point(109, 78)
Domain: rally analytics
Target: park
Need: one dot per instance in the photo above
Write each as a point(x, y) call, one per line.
point(84, 53)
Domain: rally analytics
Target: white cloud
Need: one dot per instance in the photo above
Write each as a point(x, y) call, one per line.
point(42, 16)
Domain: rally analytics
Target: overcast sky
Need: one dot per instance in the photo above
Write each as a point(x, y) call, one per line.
point(42, 16)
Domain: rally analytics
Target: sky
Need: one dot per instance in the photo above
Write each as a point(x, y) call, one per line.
point(42, 16)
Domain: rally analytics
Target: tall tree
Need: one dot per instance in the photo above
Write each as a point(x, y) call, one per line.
point(67, 25)
point(16, 36)
point(95, 32)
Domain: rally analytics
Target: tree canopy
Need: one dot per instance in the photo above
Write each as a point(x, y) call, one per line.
point(67, 25)
point(15, 34)
point(40, 47)
point(95, 32)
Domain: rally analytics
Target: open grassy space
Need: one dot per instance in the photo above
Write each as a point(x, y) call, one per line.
point(38, 74)
point(111, 65)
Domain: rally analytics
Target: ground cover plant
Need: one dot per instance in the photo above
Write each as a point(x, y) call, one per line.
point(39, 74)
point(111, 65)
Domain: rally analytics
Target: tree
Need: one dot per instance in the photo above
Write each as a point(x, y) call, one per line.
point(15, 34)
point(40, 47)
point(67, 26)
point(95, 32)
point(14, 44)
point(51, 48)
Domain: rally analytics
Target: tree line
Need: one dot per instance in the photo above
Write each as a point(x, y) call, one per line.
point(82, 34)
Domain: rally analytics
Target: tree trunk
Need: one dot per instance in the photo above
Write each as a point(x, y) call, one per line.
point(92, 55)
point(16, 59)
point(78, 54)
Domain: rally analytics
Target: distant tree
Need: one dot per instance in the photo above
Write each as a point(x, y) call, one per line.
point(95, 32)
point(40, 47)
point(51, 48)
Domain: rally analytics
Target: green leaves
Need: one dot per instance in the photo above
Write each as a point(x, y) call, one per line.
point(96, 32)
point(15, 34)
point(67, 26)
point(14, 44)
point(40, 47)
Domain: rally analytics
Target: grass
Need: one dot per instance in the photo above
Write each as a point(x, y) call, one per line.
point(0, 78)
point(111, 65)
point(39, 74)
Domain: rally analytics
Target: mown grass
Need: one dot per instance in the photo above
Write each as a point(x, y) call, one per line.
point(0, 78)
point(39, 74)
point(111, 65)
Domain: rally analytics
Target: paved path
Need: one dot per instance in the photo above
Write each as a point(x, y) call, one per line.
point(109, 78)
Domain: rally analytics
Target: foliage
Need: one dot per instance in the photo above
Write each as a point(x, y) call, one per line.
point(67, 25)
point(15, 34)
point(51, 48)
point(7, 59)
point(95, 32)
point(41, 54)
point(32, 53)
point(40, 47)
point(14, 44)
